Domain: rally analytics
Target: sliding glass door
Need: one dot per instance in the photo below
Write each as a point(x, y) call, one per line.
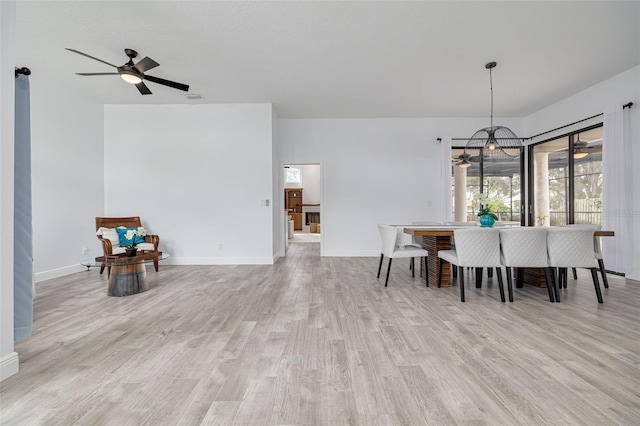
point(566, 183)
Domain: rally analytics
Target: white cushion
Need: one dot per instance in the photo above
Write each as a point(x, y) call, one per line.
point(145, 246)
point(111, 235)
point(117, 250)
point(449, 255)
point(408, 251)
point(400, 237)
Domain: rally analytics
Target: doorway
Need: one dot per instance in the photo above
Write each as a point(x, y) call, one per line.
point(303, 204)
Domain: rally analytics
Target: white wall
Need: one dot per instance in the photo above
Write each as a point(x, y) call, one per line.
point(310, 182)
point(8, 358)
point(374, 171)
point(67, 143)
point(277, 197)
point(620, 89)
point(196, 175)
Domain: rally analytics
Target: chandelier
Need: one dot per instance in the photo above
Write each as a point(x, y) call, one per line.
point(495, 142)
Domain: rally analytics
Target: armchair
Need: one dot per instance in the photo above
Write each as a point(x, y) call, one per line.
point(111, 245)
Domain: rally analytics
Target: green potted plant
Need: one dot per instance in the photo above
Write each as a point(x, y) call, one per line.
point(487, 216)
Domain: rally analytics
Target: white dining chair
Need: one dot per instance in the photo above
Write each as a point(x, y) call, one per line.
point(475, 247)
point(417, 240)
point(572, 247)
point(597, 246)
point(390, 248)
point(526, 247)
point(453, 241)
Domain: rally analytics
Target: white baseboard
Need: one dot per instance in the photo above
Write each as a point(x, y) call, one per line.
point(68, 270)
point(351, 253)
point(60, 272)
point(9, 365)
point(633, 275)
point(218, 261)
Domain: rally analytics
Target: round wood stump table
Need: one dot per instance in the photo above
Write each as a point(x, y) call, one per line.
point(127, 279)
point(127, 275)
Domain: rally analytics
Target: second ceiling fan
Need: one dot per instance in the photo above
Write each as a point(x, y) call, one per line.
point(134, 73)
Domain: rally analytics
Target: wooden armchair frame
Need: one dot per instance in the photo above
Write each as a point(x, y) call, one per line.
point(127, 222)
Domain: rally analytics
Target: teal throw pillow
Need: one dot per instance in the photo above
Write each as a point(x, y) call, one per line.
point(122, 236)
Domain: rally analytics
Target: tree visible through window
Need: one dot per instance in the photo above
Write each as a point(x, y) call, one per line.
point(501, 184)
point(568, 186)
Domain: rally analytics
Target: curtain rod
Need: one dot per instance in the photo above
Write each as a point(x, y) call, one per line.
point(627, 105)
point(23, 70)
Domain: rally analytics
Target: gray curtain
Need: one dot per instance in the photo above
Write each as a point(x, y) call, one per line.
point(22, 226)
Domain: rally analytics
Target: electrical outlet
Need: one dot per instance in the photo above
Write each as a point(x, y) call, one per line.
point(220, 246)
point(85, 250)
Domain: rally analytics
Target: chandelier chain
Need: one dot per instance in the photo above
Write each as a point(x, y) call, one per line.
point(491, 85)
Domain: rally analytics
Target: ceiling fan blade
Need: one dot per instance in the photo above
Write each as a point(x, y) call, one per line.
point(97, 73)
point(145, 64)
point(164, 82)
point(144, 90)
point(89, 56)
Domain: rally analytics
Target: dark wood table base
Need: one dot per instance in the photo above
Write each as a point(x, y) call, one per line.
point(534, 276)
point(433, 245)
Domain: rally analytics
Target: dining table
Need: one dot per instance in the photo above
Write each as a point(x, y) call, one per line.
point(438, 237)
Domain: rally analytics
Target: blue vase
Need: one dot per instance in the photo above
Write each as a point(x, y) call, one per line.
point(487, 221)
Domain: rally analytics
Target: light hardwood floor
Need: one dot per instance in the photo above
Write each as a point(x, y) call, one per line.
point(316, 340)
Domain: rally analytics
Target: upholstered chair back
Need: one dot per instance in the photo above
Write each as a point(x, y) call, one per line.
point(597, 246)
point(389, 237)
point(478, 247)
point(570, 247)
point(524, 247)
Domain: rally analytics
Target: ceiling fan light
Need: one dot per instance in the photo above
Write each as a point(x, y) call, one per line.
point(130, 77)
point(580, 154)
point(464, 164)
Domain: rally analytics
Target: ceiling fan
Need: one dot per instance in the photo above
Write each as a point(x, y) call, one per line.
point(465, 160)
point(134, 73)
point(583, 148)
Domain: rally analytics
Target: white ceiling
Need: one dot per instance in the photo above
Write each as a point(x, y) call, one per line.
point(338, 59)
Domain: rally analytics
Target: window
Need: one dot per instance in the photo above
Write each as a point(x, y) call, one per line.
point(499, 179)
point(567, 188)
point(292, 175)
